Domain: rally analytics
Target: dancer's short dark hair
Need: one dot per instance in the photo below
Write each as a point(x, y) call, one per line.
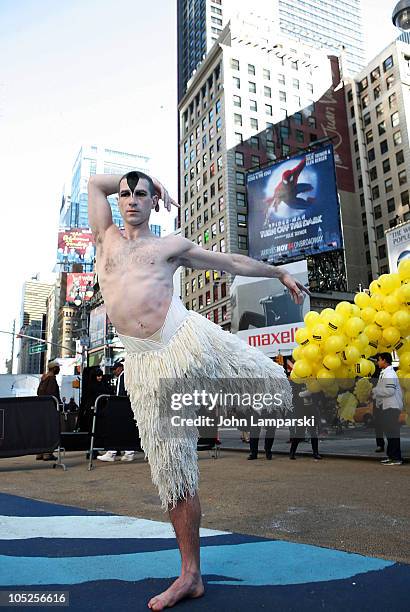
point(133, 178)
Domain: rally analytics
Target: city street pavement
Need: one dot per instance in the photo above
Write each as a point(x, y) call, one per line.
point(356, 442)
point(289, 526)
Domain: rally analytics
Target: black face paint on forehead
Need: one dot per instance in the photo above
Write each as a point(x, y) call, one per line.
point(132, 179)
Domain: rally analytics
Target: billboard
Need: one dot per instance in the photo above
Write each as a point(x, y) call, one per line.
point(398, 245)
point(75, 246)
point(294, 208)
point(98, 326)
point(263, 313)
point(77, 283)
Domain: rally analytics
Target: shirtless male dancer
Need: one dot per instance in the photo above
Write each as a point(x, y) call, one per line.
point(164, 340)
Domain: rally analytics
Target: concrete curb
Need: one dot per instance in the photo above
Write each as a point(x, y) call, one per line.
point(309, 454)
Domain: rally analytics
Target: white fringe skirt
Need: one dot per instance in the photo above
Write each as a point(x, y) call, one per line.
point(199, 349)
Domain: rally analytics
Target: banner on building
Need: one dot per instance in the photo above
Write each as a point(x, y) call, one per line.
point(75, 246)
point(77, 283)
point(264, 314)
point(294, 208)
point(398, 245)
point(98, 326)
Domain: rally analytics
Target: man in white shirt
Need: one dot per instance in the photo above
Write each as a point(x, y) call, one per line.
point(110, 455)
point(389, 398)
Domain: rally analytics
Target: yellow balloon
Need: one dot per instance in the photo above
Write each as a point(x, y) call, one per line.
point(320, 332)
point(362, 300)
point(311, 318)
point(296, 379)
point(407, 398)
point(332, 362)
point(312, 353)
point(391, 336)
point(302, 336)
point(391, 304)
point(405, 362)
point(375, 288)
point(401, 320)
point(404, 379)
point(404, 293)
point(376, 301)
point(368, 314)
point(302, 368)
point(297, 353)
point(373, 332)
point(326, 314)
point(335, 322)
point(313, 386)
point(353, 327)
point(363, 367)
point(355, 311)
point(388, 283)
point(404, 269)
point(350, 355)
point(404, 348)
point(382, 319)
point(344, 309)
point(334, 344)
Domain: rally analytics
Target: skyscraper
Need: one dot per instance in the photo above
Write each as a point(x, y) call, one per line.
point(96, 160)
point(328, 24)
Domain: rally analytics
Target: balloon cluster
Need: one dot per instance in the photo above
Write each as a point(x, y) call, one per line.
point(363, 390)
point(335, 346)
point(347, 403)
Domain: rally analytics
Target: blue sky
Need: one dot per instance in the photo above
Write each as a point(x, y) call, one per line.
point(78, 71)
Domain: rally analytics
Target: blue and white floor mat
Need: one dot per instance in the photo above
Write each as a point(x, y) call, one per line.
point(108, 562)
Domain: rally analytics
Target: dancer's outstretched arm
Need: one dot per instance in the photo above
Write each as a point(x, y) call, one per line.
point(194, 256)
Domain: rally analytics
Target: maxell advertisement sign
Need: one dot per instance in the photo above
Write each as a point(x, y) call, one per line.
point(398, 245)
point(264, 314)
point(294, 208)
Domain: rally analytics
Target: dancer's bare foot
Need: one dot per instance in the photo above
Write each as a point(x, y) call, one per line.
point(187, 586)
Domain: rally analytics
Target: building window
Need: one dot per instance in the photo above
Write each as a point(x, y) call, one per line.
point(363, 84)
point(237, 101)
point(268, 109)
point(219, 144)
point(382, 251)
point(266, 74)
point(240, 178)
point(252, 87)
point(240, 199)
point(219, 163)
point(236, 82)
point(379, 110)
point(375, 74)
point(239, 158)
point(386, 166)
point(284, 132)
point(388, 63)
point(404, 197)
point(395, 119)
point(382, 128)
point(390, 205)
point(237, 119)
point(254, 123)
point(379, 232)
point(221, 225)
point(255, 142)
point(402, 177)
point(282, 96)
point(221, 203)
point(375, 192)
point(388, 185)
point(206, 236)
point(299, 136)
point(373, 172)
point(253, 105)
point(312, 122)
point(397, 138)
point(377, 212)
point(369, 136)
point(377, 91)
point(238, 138)
point(365, 101)
point(217, 107)
point(255, 160)
point(281, 79)
point(220, 183)
point(234, 64)
point(384, 147)
point(207, 298)
point(251, 69)
point(242, 222)
point(206, 216)
point(399, 158)
point(390, 82)
point(294, 65)
point(242, 242)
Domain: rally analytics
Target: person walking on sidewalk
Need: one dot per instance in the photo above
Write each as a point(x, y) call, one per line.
point(49, 386)
point(389, 397)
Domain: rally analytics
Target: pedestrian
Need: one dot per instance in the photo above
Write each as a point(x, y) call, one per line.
point(306, 406)
point(388, 396)
point(254, 435)
point(111, 455)
point(93, 386)
point(49, 386)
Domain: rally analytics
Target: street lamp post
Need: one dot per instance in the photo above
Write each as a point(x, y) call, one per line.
point(401, 15)
point(80, 302)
